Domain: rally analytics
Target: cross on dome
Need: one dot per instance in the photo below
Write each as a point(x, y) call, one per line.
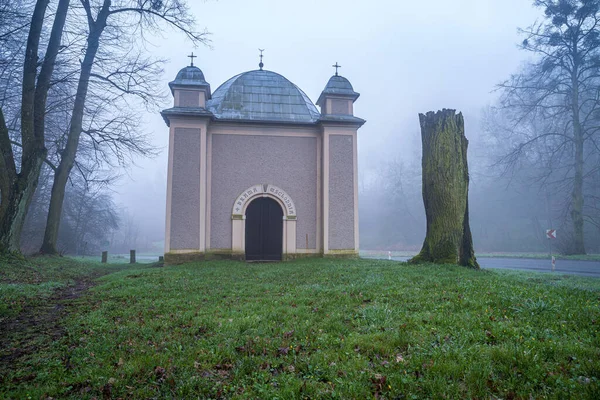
point(336, 66)
point(192, 56)
point(261, 65)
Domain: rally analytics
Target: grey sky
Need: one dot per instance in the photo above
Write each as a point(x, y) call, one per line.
point(404, 57)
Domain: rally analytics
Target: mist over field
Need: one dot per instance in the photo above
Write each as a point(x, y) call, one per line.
point(404, 58)
point(180, 219)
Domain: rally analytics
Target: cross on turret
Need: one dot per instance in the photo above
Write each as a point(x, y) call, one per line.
point(336, 66)
point(192, 56)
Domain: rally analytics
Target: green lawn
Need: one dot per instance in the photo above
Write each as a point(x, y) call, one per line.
point(32, 281)
point(321, 328)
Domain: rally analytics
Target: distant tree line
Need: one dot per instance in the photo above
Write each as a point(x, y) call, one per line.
point(508, 212)
point(89, 219)
point(549, 113)
point(541, 148)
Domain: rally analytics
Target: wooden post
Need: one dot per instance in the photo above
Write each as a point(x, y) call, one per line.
point(104, 257)
point(131, 256)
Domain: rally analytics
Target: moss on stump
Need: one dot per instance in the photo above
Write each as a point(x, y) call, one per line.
point(446, 190)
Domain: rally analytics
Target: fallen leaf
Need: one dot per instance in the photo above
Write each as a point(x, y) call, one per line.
point(283, 350)
point(160, 373)
point(378, 383)
point(288, 334)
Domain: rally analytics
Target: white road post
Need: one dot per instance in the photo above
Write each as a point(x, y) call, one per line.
point(551, 234)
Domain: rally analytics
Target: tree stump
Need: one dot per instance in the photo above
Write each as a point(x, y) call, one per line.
point(446, 190)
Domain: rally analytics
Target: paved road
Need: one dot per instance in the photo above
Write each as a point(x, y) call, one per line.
point(583, 268)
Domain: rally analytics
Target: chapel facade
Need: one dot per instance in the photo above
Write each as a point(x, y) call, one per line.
point(257, 172)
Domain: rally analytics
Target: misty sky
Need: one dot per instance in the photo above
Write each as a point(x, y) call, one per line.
point(403, 57)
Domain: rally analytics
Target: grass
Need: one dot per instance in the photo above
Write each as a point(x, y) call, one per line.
point(580, 257)
point(322, 328)
point(121, 258)
point(31, 281)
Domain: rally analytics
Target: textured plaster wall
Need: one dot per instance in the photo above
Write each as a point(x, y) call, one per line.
point(339, 106)
point(185, 197)
point(189, 98)
point(341, 192)
point(241, 161)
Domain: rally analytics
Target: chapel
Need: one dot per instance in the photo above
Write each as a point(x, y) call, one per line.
point(257, 172)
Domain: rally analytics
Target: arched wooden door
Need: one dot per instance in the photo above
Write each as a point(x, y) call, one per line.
point(264, 230)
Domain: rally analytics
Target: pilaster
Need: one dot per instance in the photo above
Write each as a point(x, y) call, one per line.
point(188, 150)
point(325, 193)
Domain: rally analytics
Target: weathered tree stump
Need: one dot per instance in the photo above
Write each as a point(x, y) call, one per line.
point(446, 190)
point(104, 257)
point(131, 256)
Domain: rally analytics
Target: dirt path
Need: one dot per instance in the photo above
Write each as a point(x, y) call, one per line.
point(38, 326)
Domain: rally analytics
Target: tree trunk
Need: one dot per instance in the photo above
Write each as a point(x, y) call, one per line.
point(577, 194)
point(577, 198)
point(18, 200)
point(67, 161)
point(47, 69)
point(18, 188)
point(445, 190)
point(8, 172)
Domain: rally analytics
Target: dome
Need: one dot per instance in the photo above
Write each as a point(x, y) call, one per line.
point(339, 85)
point(262, 96)
point(189, 76)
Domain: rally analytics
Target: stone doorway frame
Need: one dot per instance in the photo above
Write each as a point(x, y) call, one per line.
point(238, 217)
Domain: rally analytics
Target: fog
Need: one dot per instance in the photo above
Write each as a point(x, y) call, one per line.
point(404, 58)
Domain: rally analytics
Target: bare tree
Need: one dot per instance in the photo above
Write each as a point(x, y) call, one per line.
point(558, 96)
point(111, 72)
point(89, 216)
point(391, 210)
point(17, 186)
point(109, 25)
point(15, 16)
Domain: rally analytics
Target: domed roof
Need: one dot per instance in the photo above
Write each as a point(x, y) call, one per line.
point(189, 76)
point(262, 96)
point(339, 85)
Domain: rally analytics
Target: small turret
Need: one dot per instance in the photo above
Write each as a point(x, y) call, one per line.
point(338, 96)
point(189, 88)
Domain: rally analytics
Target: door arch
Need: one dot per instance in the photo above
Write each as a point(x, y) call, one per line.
point(238, 217)
point(264, 230)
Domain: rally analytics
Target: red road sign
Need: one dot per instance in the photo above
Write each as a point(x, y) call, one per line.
point(551, 233)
